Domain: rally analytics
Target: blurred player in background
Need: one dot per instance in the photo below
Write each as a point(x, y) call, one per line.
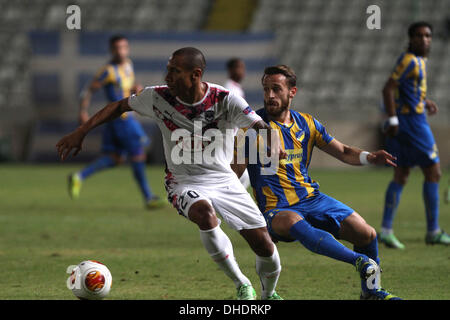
point(236, 73)
point(123, 137)
point(290, 200)
point(409, 136)
point(198, 189)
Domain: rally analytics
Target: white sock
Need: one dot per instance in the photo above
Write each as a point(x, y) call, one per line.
point(268, 269)
point(386, 231)
point(220, 249)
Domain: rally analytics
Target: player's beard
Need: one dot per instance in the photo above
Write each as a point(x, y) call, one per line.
point(276, 111)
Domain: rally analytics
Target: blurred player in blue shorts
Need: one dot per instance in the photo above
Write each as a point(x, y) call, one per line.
point(409, 137)
point(123, 137)
point(290, 200)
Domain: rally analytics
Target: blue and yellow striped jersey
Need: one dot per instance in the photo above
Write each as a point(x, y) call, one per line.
point(410, 73)
point(291, 183)
point(117, 80)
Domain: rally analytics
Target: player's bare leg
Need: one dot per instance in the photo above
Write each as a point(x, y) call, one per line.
point(434, 234)
point(401, 175)
point(357, 231)
point(219, 246)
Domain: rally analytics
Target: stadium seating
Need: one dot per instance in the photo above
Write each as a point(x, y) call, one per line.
point(341, 64)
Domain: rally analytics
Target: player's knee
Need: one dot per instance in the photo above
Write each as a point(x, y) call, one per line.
point(139, 158)
point(367, 236)
point(401, 176)
point(401, 179)
point(433, 175)
point(265, 247)
point(118, 160)
point(203, 215)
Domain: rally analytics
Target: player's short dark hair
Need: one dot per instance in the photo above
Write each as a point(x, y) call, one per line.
point(291, 78)
point(414, 26)
point(232, 63)
point(193, 58)
point(113, 39)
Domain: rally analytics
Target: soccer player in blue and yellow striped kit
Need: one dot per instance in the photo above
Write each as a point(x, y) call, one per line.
point(290, 200)
point(123, 137)
point(409, 136)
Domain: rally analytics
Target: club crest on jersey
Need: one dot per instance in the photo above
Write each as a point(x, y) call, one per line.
point(247, 110)
point(209, 116)
point(300, 135)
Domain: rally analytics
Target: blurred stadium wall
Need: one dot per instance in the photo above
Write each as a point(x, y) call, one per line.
point(340, 63)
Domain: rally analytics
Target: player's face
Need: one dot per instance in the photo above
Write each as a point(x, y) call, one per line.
point(120, 50)
point(238, 72)
point(421, 41)
point(178, 79)
point(277, 94)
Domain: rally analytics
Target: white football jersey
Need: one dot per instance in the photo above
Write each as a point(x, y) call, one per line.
point(234, 87)
point(206, 128)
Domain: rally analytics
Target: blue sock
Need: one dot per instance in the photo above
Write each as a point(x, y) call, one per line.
point(98, 165)
point(322, 242)
point(393, 193)
point(139, 175)
point(371, 250)
point(431, 199)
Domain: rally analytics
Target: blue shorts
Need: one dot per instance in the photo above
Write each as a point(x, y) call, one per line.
point(124, 137)
point(321, 211)
point(414, 145)
point(410, 156)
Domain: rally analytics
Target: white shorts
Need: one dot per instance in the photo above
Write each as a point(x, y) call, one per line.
point(230, 200)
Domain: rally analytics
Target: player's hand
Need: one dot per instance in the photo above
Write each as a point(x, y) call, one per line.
point(391, 131)
point(431, 107)
point(381, 157)
point(70, 142)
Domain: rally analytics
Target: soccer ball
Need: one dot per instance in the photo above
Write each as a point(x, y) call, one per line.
point(90, 280)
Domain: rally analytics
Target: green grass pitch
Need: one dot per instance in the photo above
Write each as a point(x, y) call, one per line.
point(158, 254)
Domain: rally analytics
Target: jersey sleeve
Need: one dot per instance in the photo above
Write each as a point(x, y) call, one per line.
point(104, 75)
point(405, 64)
point(322, 138)
point(142, 102)
point(240, 113)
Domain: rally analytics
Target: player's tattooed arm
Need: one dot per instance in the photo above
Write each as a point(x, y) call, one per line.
point(73, 141)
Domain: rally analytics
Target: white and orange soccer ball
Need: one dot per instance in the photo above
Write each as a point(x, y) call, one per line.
point(89, 280)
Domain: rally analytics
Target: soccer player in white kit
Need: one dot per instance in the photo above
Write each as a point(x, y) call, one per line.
point(199, 189)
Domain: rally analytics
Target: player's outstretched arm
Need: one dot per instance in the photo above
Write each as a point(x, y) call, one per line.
point(74, 140)
point(356, 157)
